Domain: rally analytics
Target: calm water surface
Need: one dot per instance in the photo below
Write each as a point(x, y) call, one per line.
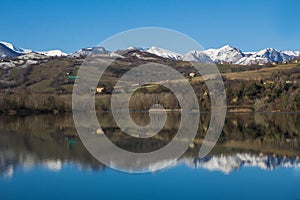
point(257, 157)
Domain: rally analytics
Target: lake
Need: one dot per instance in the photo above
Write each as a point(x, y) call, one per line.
point(256, 157)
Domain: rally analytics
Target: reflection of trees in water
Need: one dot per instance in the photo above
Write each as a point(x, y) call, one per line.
point(264, 126)
point(271, 133)
point(51, 140)
point(139, 145)
point(41, 143)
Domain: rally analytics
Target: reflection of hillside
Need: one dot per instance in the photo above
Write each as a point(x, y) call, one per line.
point(38, 125)
point(51, 141)
point(269, 133)
point(287, 123)
point(263, 126)
point(32, 145)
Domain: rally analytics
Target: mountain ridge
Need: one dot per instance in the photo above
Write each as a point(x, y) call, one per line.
point(225, 54)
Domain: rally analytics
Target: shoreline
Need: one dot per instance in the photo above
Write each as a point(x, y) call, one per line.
point(231, 110)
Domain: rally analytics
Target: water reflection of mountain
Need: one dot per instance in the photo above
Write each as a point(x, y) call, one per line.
point(266, 141)
point(232, 162)
point(9, 160)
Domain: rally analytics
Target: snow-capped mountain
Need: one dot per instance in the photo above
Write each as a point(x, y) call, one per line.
point(197, 56)
point(5, 51)
point(292, 53)
point(135, 48)
point(164, 53)
point(86, 51)
point(225, 54)
point(9, 50)
point(95, 50)
point(15, 49)
point(265, 56)
point(228, 54)
point(53, 53)
point(157, 51)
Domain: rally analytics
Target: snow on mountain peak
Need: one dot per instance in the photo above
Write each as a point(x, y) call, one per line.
point(197, 56)
point(86, 51)
point(135, 48)
point(266, 55)
point(229, 54)
point(227, 47)
point(267, 51)
point(10, 50)
point(53, 53)
point(11, 46)
point(14, 48)
point(292, 53)
point(225, 54)
point(164, 53)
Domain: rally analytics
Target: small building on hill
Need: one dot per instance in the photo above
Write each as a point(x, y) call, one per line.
point(99, 90)
point(192, 75)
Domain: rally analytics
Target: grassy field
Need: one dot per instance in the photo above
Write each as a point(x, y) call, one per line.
point(260, 74)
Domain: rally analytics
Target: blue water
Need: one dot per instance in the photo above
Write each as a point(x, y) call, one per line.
point(178, 182)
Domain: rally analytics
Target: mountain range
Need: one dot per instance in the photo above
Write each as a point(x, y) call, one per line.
point(225, 54)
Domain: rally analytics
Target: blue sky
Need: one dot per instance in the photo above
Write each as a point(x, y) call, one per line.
point(70, 25)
